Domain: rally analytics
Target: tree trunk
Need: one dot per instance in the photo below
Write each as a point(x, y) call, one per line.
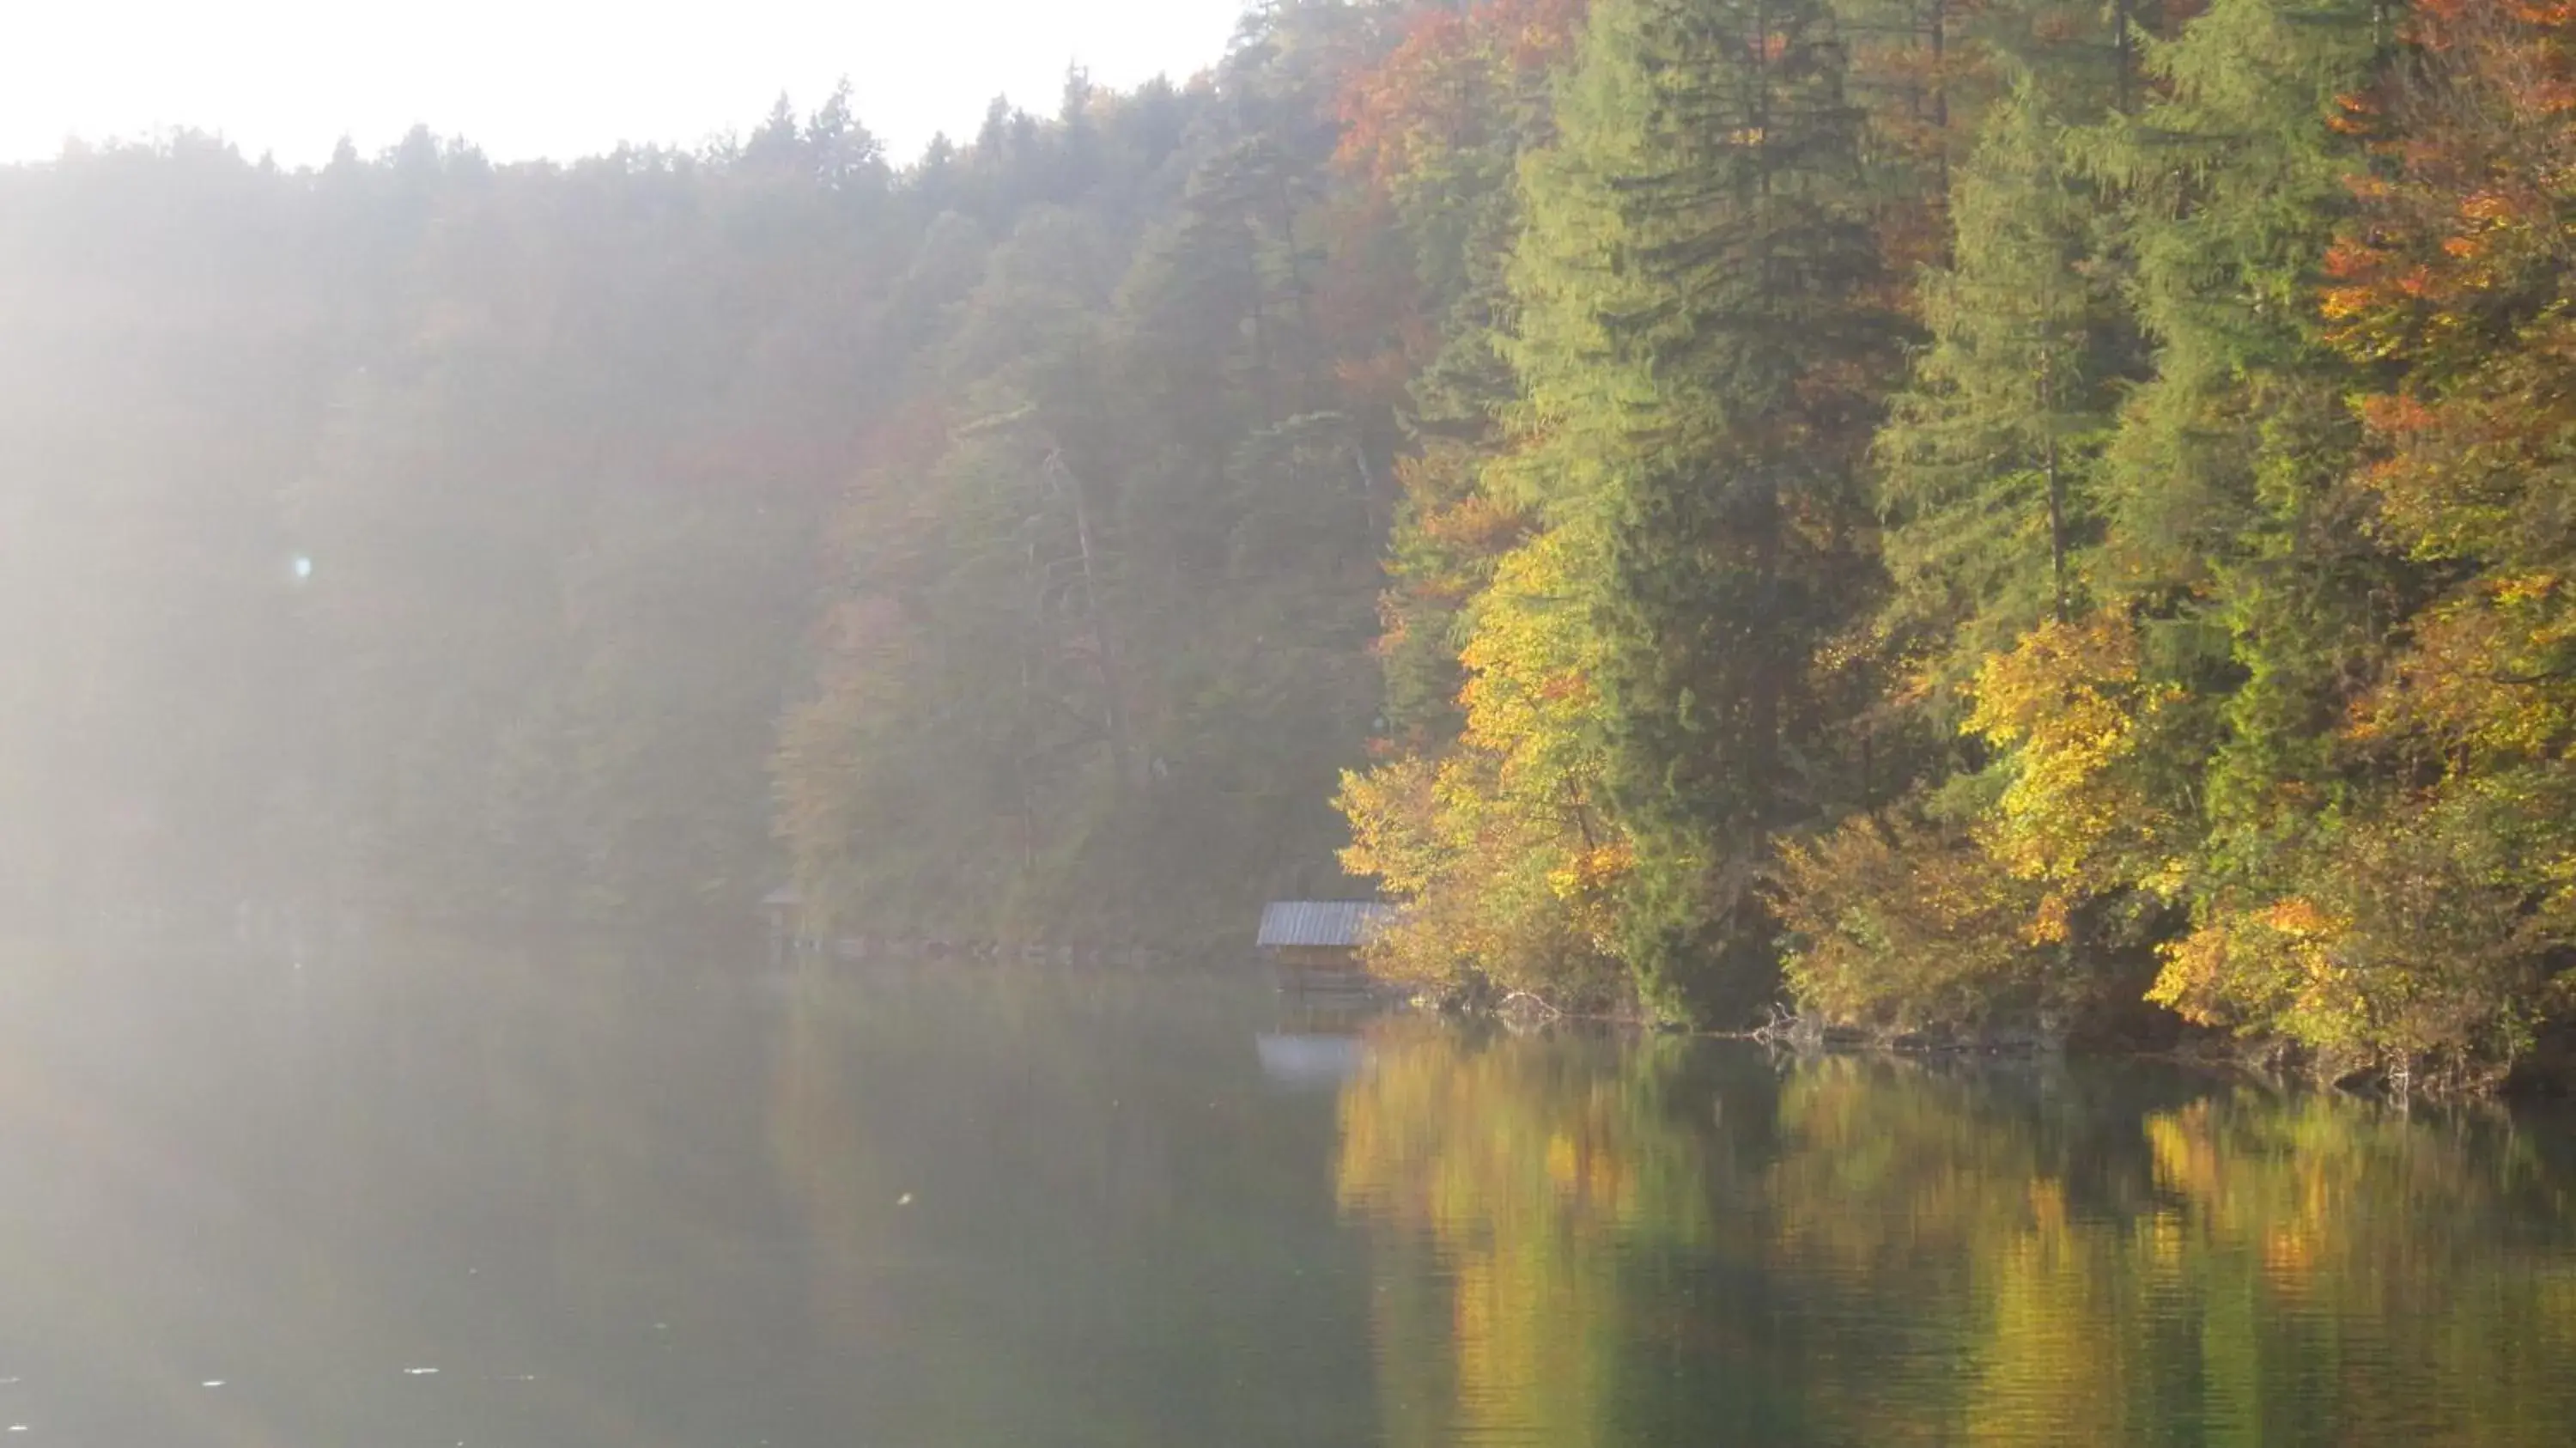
point(1104, 634)
point(2056, 488)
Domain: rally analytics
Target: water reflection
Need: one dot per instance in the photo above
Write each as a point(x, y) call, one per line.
point(542, 1197)
point(553, 1197)
point(1308, 1059)
point(1584, 1242)
point(1523, 1188)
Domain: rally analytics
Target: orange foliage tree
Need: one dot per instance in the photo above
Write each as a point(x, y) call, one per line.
point(2433, 936)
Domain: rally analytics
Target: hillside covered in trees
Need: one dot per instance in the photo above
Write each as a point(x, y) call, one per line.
point(1955, 513)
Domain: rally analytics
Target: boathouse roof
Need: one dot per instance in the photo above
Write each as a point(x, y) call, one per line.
point(1342, 923)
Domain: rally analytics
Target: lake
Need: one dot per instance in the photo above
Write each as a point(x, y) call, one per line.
point(559, 1199)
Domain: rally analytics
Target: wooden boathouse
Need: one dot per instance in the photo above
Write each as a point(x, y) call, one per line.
point(1315, 944)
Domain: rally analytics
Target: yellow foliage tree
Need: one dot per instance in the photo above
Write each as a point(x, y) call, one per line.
point(2070, 703)
point(1905, 925)
point(1499, 849)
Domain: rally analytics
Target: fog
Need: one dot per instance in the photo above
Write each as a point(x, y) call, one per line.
point(427, 539)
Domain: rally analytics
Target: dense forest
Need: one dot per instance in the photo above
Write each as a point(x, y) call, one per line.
point(984, 543)
point(1954, 514)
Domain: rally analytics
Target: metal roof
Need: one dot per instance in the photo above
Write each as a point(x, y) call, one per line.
point(1323, 922)
point(784, 895)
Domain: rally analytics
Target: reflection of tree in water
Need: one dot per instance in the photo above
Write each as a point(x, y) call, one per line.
point(1587, 1243)
point(1519, 1187)
point(2240, 1267)
point(2364, 1274)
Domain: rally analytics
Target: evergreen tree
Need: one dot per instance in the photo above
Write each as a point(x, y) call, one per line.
point(1988, 456)
point(1696, 374)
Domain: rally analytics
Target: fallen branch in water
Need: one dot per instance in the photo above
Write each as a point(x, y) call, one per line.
point(1786, 1027)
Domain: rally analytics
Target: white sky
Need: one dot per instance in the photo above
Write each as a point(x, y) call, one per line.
point(560, 78)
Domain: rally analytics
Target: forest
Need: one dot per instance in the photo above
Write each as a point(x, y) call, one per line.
point(1943, 516)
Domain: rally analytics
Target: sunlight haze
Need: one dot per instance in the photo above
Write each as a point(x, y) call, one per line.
point(1371, 724)
point(561, 78)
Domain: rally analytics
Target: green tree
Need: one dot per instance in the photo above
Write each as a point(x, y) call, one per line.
point(1697, 357)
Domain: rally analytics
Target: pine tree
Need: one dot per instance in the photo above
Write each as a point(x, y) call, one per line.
point(1696, 345)
point(1988, 455)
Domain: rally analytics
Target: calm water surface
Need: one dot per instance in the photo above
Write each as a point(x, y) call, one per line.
point(505, 1198)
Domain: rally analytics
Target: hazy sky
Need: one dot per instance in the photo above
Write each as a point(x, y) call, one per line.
point(558, 78)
